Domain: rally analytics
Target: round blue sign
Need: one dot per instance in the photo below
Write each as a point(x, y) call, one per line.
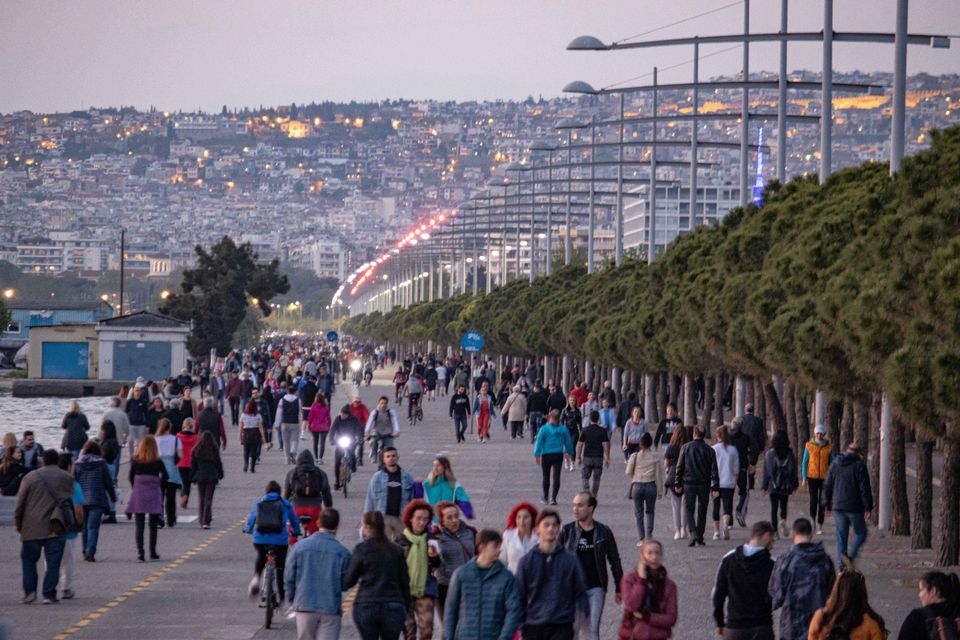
point(472, 342)
point(332, 336)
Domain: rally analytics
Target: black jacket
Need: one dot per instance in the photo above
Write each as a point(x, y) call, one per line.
point(752, 426)
point(538, 402)
point(742, 584)
point(847, 487)
point(605, 549)
point(459, 405)
point(624, 411)
point(75, 427)
point(556, 400)
point(745, 448)
point(697, 465)
point(381, 573)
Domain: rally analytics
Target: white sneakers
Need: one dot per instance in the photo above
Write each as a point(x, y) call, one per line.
point(254, 588)
point(819, 531)
point(678, 535)
point(716, 535)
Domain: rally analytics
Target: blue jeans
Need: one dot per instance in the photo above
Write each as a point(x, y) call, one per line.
point(92, 515)
point(52, 549)
point(536, 421)
point(114, 472)
point(587, 627)
point(378, 621)
point(843, 520)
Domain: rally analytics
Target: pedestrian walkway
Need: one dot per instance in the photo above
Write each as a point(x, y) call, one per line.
point(198, 588)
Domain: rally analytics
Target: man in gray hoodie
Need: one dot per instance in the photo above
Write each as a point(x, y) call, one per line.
point(288, 422)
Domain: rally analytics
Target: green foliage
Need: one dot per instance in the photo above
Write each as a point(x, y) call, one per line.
point(216, 294)
point(4, 315)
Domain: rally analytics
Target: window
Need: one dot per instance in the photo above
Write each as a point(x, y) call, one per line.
point(13, 327)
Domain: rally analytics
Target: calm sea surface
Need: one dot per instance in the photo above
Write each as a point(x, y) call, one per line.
point(44, 415)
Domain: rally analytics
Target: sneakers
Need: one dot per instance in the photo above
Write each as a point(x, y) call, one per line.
point(725, 531)
point(29, 598)
point(47, 600)
point(820, 531)
point(741, 520)
point(677, 535)
point(784, 529)
point(716, 535)
point(693, 543)
point(553, 502)
point(67, 594)
point(254, 588)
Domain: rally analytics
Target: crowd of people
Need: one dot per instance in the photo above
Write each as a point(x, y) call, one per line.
point(420, 558)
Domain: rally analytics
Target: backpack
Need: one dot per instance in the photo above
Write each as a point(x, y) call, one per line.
point(309, 483)
point(781, 482)
point(942, 628)
point(269, 518)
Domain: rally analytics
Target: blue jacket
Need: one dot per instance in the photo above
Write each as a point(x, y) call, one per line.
point(482, 606)
point(552, 586)
point(95, 479)
point(289, 516)
point(315, 573)
point(377, 491)
point(553, 438)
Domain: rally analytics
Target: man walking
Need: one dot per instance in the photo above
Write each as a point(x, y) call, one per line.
point(667, 425)
point(593, 452)
point(801, 581)
point(41, 526)
point(483, 601)
point(389, 492)
point(741, 585)
point(595, 547)
point(847, 493)
point(746, 452)
point(460, 412)
point(287, 422)
point(314, 576)
point(752, 427)
point(537, 408)
point(551, 584)
point(697, 474)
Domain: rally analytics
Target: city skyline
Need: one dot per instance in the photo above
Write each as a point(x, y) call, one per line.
point(58, 57)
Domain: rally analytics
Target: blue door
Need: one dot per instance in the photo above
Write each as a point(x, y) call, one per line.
point(65, 360)
point(148, 359)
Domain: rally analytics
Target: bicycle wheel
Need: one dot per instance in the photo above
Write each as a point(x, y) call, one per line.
point(345, 479)
point(268, 577)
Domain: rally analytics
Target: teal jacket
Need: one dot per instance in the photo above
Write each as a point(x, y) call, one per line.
point(553, 438)
point(482, 606)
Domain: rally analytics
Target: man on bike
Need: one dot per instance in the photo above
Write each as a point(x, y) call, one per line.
point(346, 425)
point(268, 521)
point(414, 389)
point(382, 426)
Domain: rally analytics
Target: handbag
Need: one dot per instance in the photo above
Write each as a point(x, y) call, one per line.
point(68, 518)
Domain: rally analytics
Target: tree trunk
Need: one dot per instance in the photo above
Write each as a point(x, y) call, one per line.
point(709, 383)
point(948, 537)
point(846, 426)
point(649, 397)
point(861, 423)
point(873, 455)
point(663, 389)
point(834, 413)
point(923, 504)
point(690, 399)
point(720, 390)
point(789, 410)
point(803, 417)
point(674, 389)
point(760, 403)
point(774, 408)
point(900, 524)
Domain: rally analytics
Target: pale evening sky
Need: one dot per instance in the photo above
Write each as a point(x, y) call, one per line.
point(176, 54)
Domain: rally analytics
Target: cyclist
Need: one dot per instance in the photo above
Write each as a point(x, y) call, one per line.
point(361, 413)
point(269, 520)
point(382, 427)
point(347, 425)
point(309, 490)
point(399, 380)
point(414, 389)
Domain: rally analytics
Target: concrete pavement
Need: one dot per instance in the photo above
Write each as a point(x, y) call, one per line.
point(198, 588)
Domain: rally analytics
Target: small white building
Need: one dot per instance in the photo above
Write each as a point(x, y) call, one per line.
point(141, 344)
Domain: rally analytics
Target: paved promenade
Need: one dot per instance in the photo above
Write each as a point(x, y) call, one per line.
point(197, 589)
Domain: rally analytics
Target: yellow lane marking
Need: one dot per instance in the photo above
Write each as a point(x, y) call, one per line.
point(143, 584)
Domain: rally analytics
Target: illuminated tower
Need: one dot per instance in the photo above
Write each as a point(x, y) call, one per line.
point(760, 183)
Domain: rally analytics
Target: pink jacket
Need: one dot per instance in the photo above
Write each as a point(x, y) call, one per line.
point(319, 418)
point(656, 626)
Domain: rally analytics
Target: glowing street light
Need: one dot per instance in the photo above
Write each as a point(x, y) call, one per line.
point(8, 293)
point(164, 294)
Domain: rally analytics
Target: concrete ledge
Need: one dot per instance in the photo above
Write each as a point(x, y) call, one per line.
point(40, 387)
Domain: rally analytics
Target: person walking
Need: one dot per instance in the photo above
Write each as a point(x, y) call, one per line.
point(11, 470)
point(817, 456)
point(553, 589)
point(753, 428)
point(779, 478)
point(537, 408)
point(593, 453)
point(188, 440)
point(379, 569)
point(118, 417)
point(572, 419)
point(595, 547)
point(697, 474)
point(41, 525)
point(170, 450)
point(211, 421)
point(649, 597)
point(515, 408)
point(287, 422)
point(939, 593)
point(251, 435)
point(441, 485)
point(318, 421)
point(741, 588)
point(745, 453)
point(268, 521)
point(110, 450)
point(728, 468)
point(670, 458)
point(633, 430)
point(96, 481)
point(519, 535)
point(147, 476)
point(234, 396)
point(308, 488)
point(485, 408)
point(552, 447)
point(460, 411)
point(389, 492)
point(420, 548)
point(75, 427)
point(667, 425)
point(458, 545)
point(483, 602)
point(315, 572)
point(801, 581)
point(206, 471)
point(846, 492)
point(848, 613)
point(646, 486)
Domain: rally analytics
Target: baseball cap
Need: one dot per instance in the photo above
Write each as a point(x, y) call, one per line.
point(820, 429)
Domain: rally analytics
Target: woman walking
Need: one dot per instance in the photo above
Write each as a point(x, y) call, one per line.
point(848, 613)
point(206, 470)
point(680, 437)
point(779, 478)
point(633, 430)
point(646, 485)
point(379, 567)
point(155, 413)
point(939, 593)
point(649, 597)
point(110, 452)
point(147, 475)
point(552, 447)
point(96, 481)
point(75, 428)
point(519, 536)
point(171, 449)
point(251, 435)
point(441, 485)
point(572, 419)
point(420, 548)
point(502, 395)
point(515, 408)
point(728, 466)
point(318, 420)
point(188, 440)
point(484, 407)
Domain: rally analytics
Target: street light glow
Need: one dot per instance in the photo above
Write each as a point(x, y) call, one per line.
point(8, 293)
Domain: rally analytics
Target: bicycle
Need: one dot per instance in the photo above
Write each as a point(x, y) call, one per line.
point(346, 461)
point(377, 445)
point(416, 411)
point(269, 594)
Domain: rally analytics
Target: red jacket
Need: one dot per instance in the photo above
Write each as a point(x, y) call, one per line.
point(360, 412)
point(188, 440)
point(234, 388)
point(654, 626)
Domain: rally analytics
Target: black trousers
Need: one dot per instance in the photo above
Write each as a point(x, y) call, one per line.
point(234, 410)
point(251, 448)
point(551, 464)
point(185, 481)
point(319, 442)
point(141, 519)
point(460, 423)
point(280, 553)
point(563, 631)
point(516, 429)
point(725, 497)
point(170, 503)
point(696, 498)
point(815, 486)
point(778, 501)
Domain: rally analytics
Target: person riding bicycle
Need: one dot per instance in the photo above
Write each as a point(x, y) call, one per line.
point(269, 521)
point(368, 373)
point(414, 389)
point(308, 489)
point(382, 426)
point(399, 380)
point(347, 425)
